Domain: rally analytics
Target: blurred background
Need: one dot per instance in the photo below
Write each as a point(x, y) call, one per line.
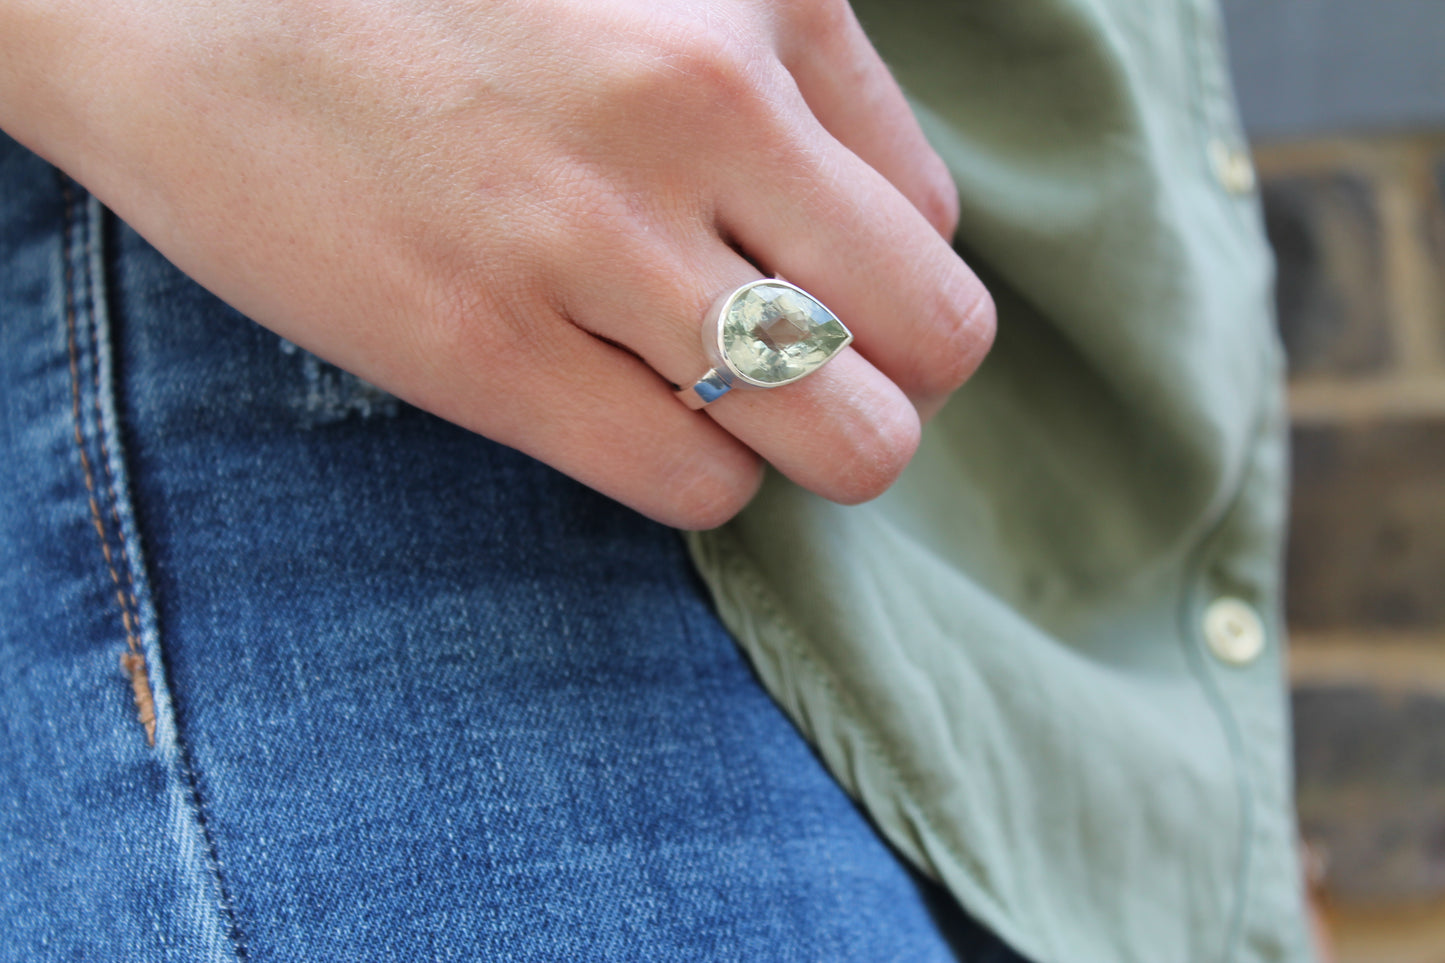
point(1344, 101)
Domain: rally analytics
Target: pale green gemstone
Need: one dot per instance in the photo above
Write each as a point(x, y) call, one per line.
point(773, 333)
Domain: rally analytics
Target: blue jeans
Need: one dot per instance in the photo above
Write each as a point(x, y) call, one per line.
point(294, 671)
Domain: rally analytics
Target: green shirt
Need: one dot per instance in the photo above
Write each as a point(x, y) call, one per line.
point(1037, 660)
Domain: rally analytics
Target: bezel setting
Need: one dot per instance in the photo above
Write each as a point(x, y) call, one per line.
point(770, 332)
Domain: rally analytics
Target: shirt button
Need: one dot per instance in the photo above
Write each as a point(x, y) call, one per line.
point(1232, 167)
point(1234, 632)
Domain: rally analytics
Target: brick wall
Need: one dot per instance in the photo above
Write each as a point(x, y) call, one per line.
point(1358, 226)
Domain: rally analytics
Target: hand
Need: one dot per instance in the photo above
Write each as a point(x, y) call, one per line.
point(514, 213)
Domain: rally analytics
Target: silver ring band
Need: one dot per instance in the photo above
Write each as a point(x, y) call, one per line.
point(709, 388)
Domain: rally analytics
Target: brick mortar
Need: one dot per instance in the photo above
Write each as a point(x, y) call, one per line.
point(1380, 154)
point(1407, 201)
point(1393, 662)
point(1316, 399)
point(1410, 934)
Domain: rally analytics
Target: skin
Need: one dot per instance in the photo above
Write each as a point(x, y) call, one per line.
point(514, 213)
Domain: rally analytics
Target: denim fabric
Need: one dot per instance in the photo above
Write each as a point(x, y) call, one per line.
point(413, 696)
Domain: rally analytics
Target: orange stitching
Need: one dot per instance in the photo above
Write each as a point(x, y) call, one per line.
point(132, 660)
point(140, 684)
point(105, 461)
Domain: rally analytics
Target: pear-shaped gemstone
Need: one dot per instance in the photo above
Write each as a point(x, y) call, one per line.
point(774, 332)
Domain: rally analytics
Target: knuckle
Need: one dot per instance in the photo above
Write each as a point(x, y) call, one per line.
point(983, 318)
point(937, 198)
point(877, 452)
point(706, 496)
point(464, 318)
point(469, 328)
point(719, 72)
point(956, 344)
point(454, 316)
point(822, 19)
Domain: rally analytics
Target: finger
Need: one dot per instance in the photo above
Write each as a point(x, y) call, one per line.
point(600, 415)
point(821, 217)
point(845, 432)
point(854, 96)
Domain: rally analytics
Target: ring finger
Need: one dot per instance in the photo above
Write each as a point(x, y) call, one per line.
point(845, 431)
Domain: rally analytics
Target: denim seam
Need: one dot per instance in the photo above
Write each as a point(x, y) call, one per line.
point(133, 659)
point(86, 305)
point(203, 824)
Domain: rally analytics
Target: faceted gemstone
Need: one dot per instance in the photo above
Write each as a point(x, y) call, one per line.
point(773, 333)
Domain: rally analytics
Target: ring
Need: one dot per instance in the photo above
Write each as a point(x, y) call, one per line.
point(764, 334)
